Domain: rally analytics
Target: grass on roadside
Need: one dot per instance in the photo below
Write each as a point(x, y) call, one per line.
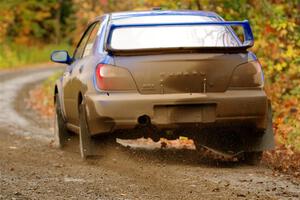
point(13, 55)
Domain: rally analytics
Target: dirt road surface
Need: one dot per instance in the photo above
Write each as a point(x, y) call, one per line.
point(30, 168)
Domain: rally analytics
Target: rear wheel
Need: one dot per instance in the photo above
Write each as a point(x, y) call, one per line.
point(61, 134)
point(85, 138)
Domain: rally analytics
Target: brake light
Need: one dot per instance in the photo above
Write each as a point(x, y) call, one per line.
point(247, 75)
point(99, 77)
point(109, 77)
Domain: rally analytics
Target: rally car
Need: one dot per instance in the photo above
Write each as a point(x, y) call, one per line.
point(175, 73)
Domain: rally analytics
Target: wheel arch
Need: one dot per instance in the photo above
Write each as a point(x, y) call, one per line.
point(58, 91)
point(79, 99)
point(55, 93)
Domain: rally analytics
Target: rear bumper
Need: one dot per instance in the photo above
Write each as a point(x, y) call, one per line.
point(121, 110)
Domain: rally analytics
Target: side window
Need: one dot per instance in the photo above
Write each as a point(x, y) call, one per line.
point(91, 40)
point(80, 47)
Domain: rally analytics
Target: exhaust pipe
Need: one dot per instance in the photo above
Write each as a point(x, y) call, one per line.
point(144, 120)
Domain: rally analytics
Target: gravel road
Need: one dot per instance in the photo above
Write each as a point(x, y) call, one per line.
point(30, 168)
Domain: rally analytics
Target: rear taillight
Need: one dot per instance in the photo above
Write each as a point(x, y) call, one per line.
point(99, 78)
point(109, 77)
point(247, 75)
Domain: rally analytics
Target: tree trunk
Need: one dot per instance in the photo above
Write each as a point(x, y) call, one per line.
point(57, 23)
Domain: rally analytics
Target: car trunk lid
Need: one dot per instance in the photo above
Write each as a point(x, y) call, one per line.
point(181, 73)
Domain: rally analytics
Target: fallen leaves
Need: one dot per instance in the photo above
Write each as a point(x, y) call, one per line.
point(283, 159)
point(41, 101)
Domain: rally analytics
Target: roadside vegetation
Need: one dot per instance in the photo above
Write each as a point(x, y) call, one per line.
point(41, 97)
point(14, 56)
point(31, 29)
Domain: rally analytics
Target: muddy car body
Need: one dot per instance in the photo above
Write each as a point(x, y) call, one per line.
point(184, 71)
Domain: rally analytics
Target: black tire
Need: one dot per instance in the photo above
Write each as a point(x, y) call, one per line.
point(86, 144)
point(252, 158)
point(61, 134)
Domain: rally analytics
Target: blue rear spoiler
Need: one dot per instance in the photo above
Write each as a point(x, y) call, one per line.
point(248, 35)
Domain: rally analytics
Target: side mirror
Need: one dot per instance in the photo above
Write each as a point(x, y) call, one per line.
point(61, 56)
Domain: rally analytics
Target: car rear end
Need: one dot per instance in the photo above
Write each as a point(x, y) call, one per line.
point(173, 70)
point(180, 88)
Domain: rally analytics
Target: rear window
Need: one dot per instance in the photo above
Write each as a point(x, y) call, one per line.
point(171, 36)
point(150, 37)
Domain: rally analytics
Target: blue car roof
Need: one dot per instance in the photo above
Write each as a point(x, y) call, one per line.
point(122, 15)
